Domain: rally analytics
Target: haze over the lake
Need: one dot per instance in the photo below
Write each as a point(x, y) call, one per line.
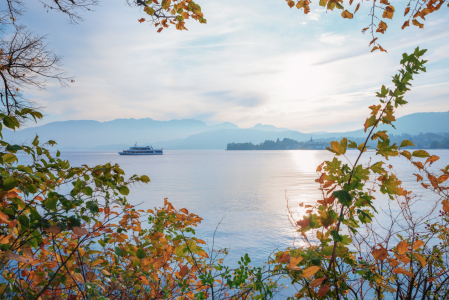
point(255, 61)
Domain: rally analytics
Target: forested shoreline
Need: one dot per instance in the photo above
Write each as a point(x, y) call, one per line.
point(420, 141)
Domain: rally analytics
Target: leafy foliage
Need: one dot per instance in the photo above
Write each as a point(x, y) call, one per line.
point(415, 12)
point(343, 256)
point(69, 232)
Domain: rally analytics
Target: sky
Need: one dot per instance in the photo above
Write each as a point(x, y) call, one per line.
point(255, 61)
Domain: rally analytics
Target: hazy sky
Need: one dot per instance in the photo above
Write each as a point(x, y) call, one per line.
point(255, 61)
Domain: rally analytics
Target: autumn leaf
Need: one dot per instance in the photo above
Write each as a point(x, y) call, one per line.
point(421, 259)
point(80, 231)
point(54, 229)
point(416, 23)
point(347, 15)
point(16, 257)
point(357, 8)
point(406, 11)
point(183, 271)
point(417, 244)
point(432, 159)
point(310, 271)
point(382, 27)
point(371, 120)
point(402, 271)
point(294, 261)
point(317, 282)
point(406, 24)
point(402, 247)
point(388, 12)
point(380, 254)
point(323, 290)
point(141, 20)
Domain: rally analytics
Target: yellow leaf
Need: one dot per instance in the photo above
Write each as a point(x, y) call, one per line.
point(310, 271)
point(294, 262)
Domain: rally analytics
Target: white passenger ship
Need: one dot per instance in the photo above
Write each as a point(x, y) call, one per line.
point(140, 150)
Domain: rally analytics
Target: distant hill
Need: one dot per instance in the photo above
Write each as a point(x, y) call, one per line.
point(92, 134)
point(194, 134)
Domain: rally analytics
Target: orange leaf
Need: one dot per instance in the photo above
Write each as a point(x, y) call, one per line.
point(294, 262)
point(402, 271)
point(203, 254)
point(406, 11)
point(393, 262)
point(421, 259)
point(402, 247)
point(380, 254)
point(347, 15)
point(53, 229)
point(79, 231)
point(417, 244)
point(317, 282)
point(406, 24)
point(16, 257)
point(432, 159)
point(372, 43)
point(184, 210)
point(184, 270)
point(141, 20)
point(310, 271)
point(357, 8)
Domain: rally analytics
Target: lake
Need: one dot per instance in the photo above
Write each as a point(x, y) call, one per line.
point(244, 190)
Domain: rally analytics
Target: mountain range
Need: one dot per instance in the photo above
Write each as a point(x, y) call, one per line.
point(192, 134)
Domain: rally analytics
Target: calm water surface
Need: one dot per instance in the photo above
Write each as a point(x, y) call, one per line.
point(245, 190)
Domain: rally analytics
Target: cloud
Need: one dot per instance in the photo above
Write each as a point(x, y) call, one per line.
point(270, 65)
point(333, 39)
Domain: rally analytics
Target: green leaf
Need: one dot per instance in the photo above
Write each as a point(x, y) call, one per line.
point(145, 178)
point(406, 143)
point(9, 183)
point(343, 197)
point(336, 236)
point(50, 203)
point(92, 206)
point(420, 153)
point(179, 251)
point(9, 158)
point(124, 190)
point(140, 254)
point(118, 251)
point(370, 122)
point(377, 168)
point(35, 141)
point(9, 122)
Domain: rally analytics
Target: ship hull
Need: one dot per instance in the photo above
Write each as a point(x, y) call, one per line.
point(121, 153)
